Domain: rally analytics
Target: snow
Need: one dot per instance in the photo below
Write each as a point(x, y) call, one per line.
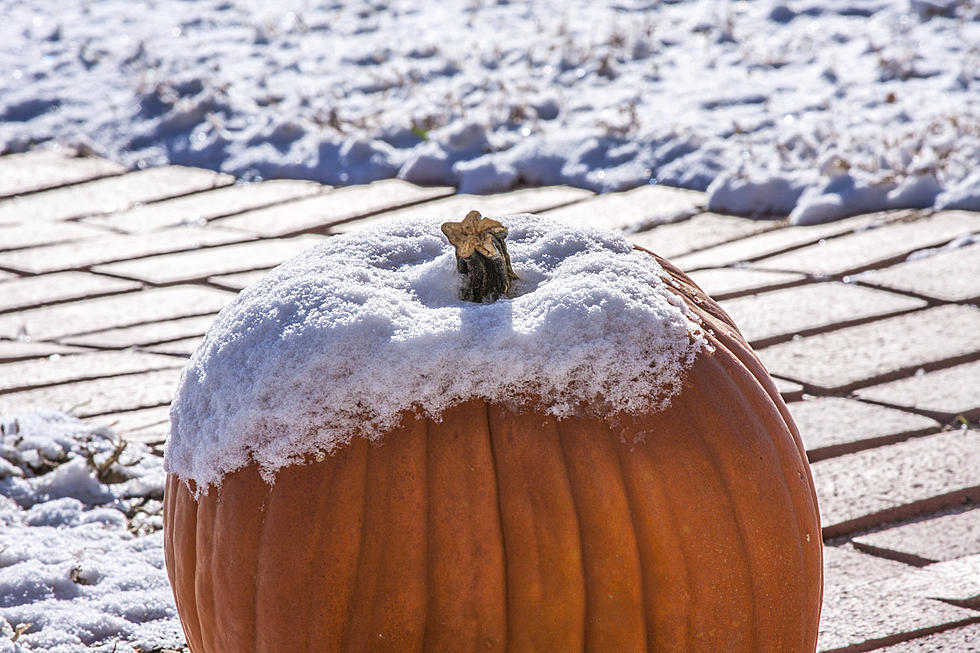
point(81, 557)
point(817, 108)
point(345, 338)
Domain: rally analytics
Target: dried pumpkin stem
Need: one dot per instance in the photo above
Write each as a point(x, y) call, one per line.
point(481, 255)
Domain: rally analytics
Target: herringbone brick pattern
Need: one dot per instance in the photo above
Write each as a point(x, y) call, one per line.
point(870, 326)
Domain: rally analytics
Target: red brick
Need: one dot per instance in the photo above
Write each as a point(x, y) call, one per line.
point(88, 398)
point(962, 639)
point(879, 351)
point(27, 292)
point(874, 247)
point(727, 283)
point(698, 232)
point(149, 425)
point(832, 426)
point(866, 606)
point(860, 490)
point(78, 367)
point(41, 169)
point(528, 200)
point(184, 347)
point(109, 195)
point(778, 240)
point(339, 205)
point(948, 275)
point(788, 390)
point(638, 209)
point(45, 233)
point(198, 208)
point(93, 251)
point(943, 537)
point(15, 350)
point(142, 335)
point(238, 280)
point(946, 394)
point(956, 581)
point(204, 263)
point(772, 316)
point(88, 315)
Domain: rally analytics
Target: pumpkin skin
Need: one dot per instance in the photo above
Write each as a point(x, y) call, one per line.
point(691, 529)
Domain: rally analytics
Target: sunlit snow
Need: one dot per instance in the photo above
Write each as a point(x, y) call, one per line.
point(822, 108)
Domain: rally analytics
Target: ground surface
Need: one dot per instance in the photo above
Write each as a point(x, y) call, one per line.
point(823, 107)
point(869, 324)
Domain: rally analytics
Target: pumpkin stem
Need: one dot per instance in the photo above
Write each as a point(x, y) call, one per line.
point(481, 255)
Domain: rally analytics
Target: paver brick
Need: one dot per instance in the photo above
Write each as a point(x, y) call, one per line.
point(27, 292)
point(949, 275)
point(832, 426)
point(768, 317)
point(726, 283)
point(338, 205)
point(45, 233)
point(455, 207)
point(86, 253)
point(864, 607)
point(142, 335)
point(32, 171)
point(962, 639)
point(149, 425)
point(78, 367)
point(15, 350)
point(956, 581)
point(109, 194)
point(698, 232)
point(204, 263)
point(860, 490)
point(88, 315)
point(874, 247)
point(636, 209)
point(239, 280)
point(198, 208)
point(945, 393)
point(879, 351)
point(184, 347)
point(788, 390)
point(943, 537)
point(779, 240)
point(113, 394)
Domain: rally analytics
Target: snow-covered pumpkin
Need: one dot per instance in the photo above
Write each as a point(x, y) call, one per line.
point(360, 459)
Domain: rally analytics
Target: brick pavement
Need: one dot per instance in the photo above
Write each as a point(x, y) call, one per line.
point(869, 325)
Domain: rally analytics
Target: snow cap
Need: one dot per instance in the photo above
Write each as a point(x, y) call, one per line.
point(343, 339)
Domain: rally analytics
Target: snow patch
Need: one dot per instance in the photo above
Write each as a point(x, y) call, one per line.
point(343, 339)
point(81, 545)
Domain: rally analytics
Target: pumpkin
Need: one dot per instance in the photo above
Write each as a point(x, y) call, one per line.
point(493, 524)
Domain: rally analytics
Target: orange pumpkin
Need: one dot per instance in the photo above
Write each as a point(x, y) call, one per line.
point(694, 528)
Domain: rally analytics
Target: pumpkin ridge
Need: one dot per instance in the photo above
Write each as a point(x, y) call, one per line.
point(644, 587)
point(744, 550)
point(184, 532)
point(344, 643)
point(467, 600)
point(760, 418)
point(646, 492)
point(391, 584)
point(589, 451)
point(586, 604)
point(546, 603)
point(500, 526)
point(690, 406)
point(203, 573)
